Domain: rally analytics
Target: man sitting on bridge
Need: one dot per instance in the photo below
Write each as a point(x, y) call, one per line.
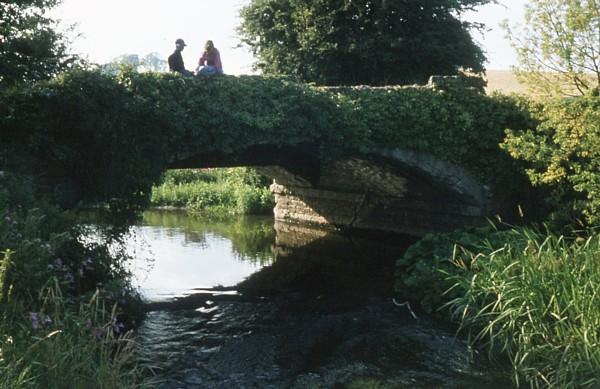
point(176, 61)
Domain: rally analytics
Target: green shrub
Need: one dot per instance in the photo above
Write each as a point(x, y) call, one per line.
point(186, 176)
point(421, 272)
point(4, 281)
point(563, 154)
point(43, 339)
point(254, 201)
point(44, 244)
point(239, 191)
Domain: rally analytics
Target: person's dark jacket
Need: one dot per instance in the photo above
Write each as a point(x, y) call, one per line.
point(176, 62)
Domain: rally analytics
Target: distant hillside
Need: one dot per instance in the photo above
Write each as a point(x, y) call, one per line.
point(504, 81)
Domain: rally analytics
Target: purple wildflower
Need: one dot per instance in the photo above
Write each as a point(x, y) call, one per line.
point(34, 317)
point(69, 278)
point(98, 333)
point(47, 320)
point(116, 326)
point(39, 320)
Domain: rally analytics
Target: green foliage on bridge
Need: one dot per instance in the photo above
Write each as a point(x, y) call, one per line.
point(455, 124)
point(99, 137)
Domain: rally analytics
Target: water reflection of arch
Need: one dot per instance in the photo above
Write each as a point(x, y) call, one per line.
point(323, 262)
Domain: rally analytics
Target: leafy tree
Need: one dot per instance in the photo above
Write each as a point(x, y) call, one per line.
point(151, 62)
point(559, 50)
point(562, 154)
point(350, 42)
point(30, 47)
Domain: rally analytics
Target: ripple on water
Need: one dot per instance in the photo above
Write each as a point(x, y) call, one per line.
point(244, 346)
point(328, 320)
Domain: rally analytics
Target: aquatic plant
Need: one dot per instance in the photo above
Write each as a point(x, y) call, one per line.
point(536, 299)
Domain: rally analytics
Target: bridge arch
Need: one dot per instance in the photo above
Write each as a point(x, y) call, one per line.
point(392, 190)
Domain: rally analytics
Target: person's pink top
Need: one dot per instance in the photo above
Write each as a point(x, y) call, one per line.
point(216, 62)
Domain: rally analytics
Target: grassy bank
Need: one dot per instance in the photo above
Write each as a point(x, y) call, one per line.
point(62, 320)
point(532, 297)
point(65, 343)
point(234, 191)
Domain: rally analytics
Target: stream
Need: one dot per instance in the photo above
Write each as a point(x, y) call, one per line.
point(249, 303)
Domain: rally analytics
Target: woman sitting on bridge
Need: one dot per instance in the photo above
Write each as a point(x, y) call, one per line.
point(210, 62)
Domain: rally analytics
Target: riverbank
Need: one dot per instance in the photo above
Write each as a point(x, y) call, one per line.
point(227, 191)
point(62, 302)
point(530, 296)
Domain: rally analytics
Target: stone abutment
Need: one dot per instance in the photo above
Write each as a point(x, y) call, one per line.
point(391, 191)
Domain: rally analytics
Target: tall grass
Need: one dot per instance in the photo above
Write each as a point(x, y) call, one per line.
point(65, 345)
point(67, 335)
point(536, 299)
point(214, 191)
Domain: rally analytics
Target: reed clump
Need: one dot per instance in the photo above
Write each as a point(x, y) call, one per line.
point(66, 344)
point(534, 298)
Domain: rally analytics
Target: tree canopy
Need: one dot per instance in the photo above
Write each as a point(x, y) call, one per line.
point(559, 50)
point(30, 47)
point(351, 42)
point(151, 62)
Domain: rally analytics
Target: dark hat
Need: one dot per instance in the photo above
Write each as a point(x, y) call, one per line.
point(180, 42)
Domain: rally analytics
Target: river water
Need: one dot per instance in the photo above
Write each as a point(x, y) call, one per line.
point(246, 303)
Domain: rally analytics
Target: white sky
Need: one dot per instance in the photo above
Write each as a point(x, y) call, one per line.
point(110, 28)
point(501, 56)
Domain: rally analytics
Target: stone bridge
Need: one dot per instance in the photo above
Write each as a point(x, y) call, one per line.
point(390, 190)
point(346, 157)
